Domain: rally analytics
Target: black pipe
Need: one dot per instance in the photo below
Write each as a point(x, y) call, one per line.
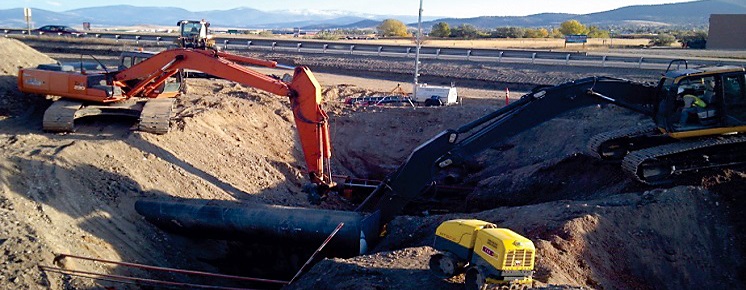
point(263, 223)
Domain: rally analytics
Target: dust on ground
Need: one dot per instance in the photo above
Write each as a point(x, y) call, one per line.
point(74, 192)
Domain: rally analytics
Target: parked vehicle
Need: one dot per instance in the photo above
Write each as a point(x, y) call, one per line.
point(60, 30)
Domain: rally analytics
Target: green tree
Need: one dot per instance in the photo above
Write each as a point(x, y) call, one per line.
point(441, 29)
point(595, 32)
point(509, 32)
point(536, 33)
point(572, 26)
point(663, 39)
point(392, 27)
point(555, 33)
point(466, 31)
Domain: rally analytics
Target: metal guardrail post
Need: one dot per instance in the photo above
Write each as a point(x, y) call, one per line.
point(437, 53)
point(274, 43)
point(352, 47)
point(639, 64)
point(225, 44)
point(567, 59)
point(380, 48)
point(603, 61)
point(326, 46)
point(468, 54)
point(298, 46)
point(248, 44)
point(533, 58)
point(500, 57)
point(409, 49)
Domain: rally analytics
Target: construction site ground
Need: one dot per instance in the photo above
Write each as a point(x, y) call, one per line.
point(593, 227)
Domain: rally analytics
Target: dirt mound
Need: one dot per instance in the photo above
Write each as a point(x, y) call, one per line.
point(15, 54)
point(75, 191)
point(662, 239)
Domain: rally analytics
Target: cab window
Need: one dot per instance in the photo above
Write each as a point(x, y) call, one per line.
point(127, 61)
point(734, 95)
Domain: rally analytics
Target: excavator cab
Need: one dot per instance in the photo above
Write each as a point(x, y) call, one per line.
point(703, 101)
point(195, 34)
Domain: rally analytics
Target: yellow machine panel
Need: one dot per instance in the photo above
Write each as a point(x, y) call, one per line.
point(505, 250)
point(462, 231)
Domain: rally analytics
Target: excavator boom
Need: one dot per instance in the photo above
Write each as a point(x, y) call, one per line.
point(148, 78)
point(452, 147)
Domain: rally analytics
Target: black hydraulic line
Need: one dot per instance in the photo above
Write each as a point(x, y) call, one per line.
point(171, 270)
point(321, 247)
point(119, 278)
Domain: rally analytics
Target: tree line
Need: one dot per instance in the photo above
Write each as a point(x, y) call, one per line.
point(396, 28)
point(659, 36)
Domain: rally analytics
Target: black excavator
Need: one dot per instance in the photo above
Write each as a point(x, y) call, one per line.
point(685, 141)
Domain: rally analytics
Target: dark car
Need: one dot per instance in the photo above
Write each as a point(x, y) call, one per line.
point(58, 30)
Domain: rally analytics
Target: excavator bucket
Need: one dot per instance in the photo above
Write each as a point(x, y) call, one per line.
point(311, 120)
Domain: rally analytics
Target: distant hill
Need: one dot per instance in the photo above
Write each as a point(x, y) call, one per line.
point(127, 15)
point(317, 24)
point(696, 13)
point(685, 14)
point(536, 20)
point(362, 24)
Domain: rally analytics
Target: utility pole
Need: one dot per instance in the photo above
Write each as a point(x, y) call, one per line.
point(27, 16)
point(417, 53)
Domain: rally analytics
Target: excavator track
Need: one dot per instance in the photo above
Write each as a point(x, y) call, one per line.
point(600, 147)
point(60, 116)
point(156, 115)
point(664, 164)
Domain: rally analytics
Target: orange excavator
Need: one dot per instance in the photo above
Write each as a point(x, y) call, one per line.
point(147, 90)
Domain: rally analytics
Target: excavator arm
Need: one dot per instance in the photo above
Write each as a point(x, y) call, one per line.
point(452, 147)
point(304, 91)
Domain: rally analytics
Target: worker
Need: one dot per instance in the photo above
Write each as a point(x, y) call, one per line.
point(709, 94)
point(692, 104)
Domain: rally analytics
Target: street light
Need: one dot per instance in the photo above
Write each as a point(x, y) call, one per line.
point(417, 53)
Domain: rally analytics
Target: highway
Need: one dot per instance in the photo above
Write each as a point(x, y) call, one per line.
point(544, 57)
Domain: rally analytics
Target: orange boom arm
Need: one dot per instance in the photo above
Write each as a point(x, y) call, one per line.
point(304, 92)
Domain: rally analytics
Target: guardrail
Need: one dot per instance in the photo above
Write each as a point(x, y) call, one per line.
point(428, 52)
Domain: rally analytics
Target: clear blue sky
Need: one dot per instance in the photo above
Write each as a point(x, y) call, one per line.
point(469, 8)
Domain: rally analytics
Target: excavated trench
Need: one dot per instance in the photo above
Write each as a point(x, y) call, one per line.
point(75, 193)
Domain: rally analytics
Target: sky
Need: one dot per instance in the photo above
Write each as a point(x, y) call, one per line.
point(447, 8)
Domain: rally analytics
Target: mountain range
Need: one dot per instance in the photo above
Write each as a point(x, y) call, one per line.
point(695, 13)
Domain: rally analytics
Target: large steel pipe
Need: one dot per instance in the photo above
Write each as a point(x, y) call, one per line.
point(263, 223)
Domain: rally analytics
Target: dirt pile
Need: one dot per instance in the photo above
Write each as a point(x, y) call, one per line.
point(74, 192)
point(669, 239)
point(15, 54)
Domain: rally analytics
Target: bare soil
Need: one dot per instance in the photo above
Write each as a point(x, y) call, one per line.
point(593, 227)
